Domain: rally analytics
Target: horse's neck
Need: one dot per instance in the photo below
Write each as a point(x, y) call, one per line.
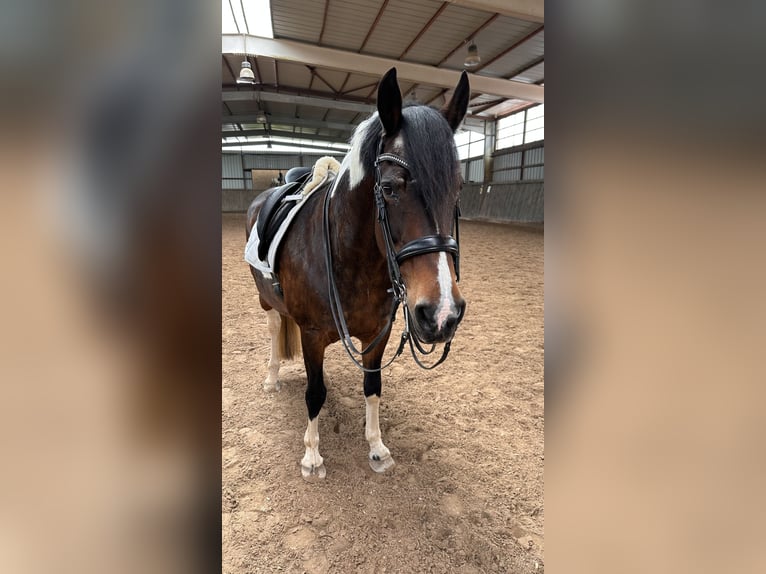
point(353, 210)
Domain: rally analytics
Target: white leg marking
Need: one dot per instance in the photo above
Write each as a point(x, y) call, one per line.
point(312, 465)
point(380, 456)
point(446, 302)
point(273, 322)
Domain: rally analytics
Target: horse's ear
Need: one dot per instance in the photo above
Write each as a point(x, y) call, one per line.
point(455, 110)
point(390, 103)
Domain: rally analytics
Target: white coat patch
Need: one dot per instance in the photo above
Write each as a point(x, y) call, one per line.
point(446, 301)
point(356, 171)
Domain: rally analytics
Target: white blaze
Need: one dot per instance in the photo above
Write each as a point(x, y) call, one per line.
point(446, 301)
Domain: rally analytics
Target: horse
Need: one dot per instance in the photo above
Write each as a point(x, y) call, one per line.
point(377, 237)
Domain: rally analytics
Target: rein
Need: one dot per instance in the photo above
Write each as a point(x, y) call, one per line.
point(421, 246)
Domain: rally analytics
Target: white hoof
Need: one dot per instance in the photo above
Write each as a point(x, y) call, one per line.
point(313, 473)
point(271, 386)
point(381, 464)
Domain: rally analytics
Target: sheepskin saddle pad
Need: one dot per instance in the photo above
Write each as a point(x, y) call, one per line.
point(279, 210)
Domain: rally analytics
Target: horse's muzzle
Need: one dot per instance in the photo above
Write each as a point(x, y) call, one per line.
point(434, 325)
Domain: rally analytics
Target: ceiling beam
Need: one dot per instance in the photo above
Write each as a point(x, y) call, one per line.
point(324, 21)
point(515, 45)
point(469, 123)
point(311, 148)
point(529, 10)
point(485, 106)
point(364, 87)
point(471, 127)
point(285, 120)
point(226, 61)
point(256, 96)
point(325, 82)
point(423, 30)
point(335, 59)
point(282, 134)
point(257, 69)
point(460, 45)
point(463, 44)
point(234, 16)
point(374, 24)
point(526, 67)
point(261, 87)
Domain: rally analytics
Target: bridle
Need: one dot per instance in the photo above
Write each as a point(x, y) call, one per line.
point(420, 246)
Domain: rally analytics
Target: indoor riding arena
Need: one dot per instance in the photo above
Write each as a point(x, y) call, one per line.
point(466, 493)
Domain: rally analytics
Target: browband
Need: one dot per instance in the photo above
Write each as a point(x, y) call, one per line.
point(393, 158)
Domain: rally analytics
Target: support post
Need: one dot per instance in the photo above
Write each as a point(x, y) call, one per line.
point(489, 148)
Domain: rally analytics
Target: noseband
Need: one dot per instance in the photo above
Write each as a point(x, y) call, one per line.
point(420, 246)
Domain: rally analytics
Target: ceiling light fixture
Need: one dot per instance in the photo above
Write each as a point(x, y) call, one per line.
point(246, 75)
point(473, 59)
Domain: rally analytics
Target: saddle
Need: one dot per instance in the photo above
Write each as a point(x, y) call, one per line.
point(275, 208)
point(296, 173)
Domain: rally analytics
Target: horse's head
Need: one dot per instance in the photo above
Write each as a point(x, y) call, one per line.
point(421, 194)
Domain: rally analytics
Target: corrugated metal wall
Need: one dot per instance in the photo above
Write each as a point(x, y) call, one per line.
point(516, 192)
point(476, 170)
point(472, 170)
point(236, 179)
point(507, 175)
point(231, 171)
point(504, 161)
point(537, 172)
point(521, 202)
point(281, 161)
point(235, 167)
point(535, 155)
point(231, 165)
point(525, 164)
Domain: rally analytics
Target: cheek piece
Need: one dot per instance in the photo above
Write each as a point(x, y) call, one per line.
point(420, 246)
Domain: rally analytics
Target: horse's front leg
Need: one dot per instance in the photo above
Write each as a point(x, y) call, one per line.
point(380, 457)
point(312, 465)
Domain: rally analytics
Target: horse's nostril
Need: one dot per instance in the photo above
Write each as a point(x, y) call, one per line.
point(460, 310)
point(423, 315)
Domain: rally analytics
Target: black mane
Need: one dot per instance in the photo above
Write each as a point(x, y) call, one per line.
point(429, 147)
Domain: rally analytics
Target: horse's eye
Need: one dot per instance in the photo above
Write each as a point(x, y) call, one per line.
point(387, 189)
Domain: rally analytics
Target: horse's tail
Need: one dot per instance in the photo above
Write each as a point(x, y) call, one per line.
point(289, 338)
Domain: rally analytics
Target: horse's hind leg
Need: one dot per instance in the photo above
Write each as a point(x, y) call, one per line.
point(273, 322)
point(312, 464)
point(380, 457)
